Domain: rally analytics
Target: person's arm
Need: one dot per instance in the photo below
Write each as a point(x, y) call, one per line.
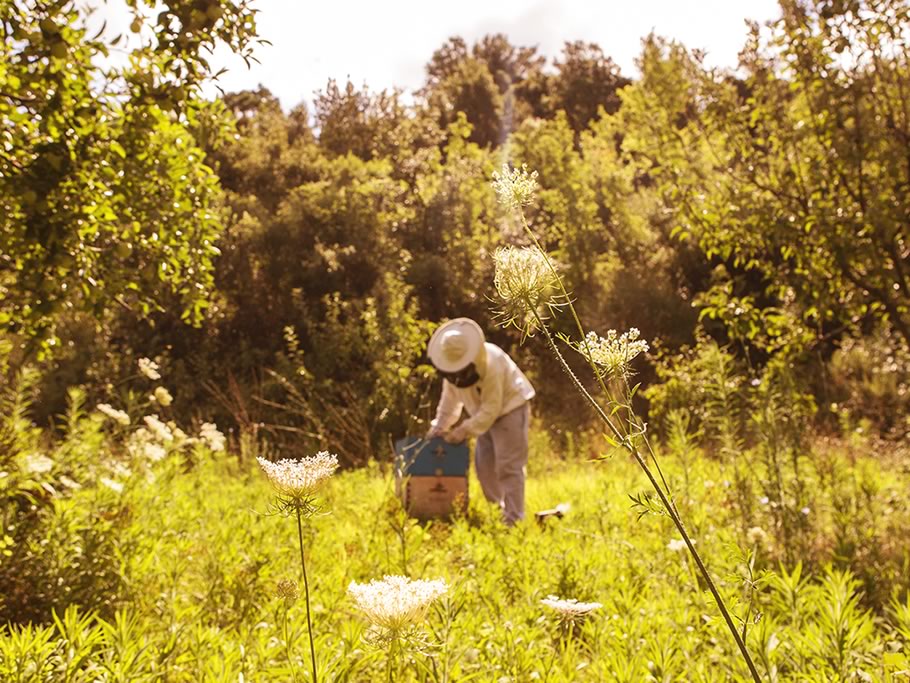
point(490, 408)
point(447, 412)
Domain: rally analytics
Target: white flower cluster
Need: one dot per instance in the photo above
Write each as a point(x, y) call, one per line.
point(515, 187)
point(757, 536)
point(149, 368)
point(613, 353)
point(676, 545)
point(299, 479)
point(36, 463)
point(159, 429)
point(162, 397)
point(212, 438)
point(526, 285)
point(396, 602)
point(570, 609)
point(117, 416)
point(142, 444)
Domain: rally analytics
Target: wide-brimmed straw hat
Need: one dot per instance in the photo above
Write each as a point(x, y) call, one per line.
point(455, 344)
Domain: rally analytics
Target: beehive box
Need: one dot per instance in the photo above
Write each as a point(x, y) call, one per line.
point(431, 476)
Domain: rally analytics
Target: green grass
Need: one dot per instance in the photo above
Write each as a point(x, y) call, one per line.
point(200, 558)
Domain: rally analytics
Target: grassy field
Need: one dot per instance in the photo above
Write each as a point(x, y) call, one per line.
point(192, 556)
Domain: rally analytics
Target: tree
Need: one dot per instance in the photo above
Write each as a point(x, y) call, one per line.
point(496, 85)
point(357, 121)
point(104, 195)
point(586, 82)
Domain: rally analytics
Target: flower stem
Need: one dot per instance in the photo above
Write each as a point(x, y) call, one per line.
point(287, 645)
point(390, 659)
point(306, 592)
point(630, 446)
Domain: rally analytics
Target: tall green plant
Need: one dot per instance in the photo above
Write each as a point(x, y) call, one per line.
point(296, 483)
point(531, 291)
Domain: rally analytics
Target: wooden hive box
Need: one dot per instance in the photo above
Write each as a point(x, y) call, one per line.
point(431, 476)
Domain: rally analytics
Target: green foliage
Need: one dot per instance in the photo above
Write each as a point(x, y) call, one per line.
point(197, 584)
point(585, 85)
point(869, 383)
point(788, 176)
point(106, 198)
point(66, 506)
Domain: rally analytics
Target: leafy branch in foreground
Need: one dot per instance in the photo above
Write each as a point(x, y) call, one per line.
point(525, 304)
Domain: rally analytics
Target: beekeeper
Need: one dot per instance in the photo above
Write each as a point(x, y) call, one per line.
point(481, 378)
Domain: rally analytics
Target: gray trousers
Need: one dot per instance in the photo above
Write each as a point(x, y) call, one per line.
point(500, 457)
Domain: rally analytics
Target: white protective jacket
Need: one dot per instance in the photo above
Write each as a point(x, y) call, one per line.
point(502, 388)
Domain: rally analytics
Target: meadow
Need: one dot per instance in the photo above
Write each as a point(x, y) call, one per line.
point(214, 317)
point(168, 569)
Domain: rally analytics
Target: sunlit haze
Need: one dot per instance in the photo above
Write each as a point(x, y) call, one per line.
point(387, 44)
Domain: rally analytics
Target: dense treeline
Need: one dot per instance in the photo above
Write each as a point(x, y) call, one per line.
point(753, 222)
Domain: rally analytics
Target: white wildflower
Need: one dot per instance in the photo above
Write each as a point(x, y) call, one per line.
point(213, 438)
point(149, 368)
point(515, 187)
point(613, 353)
point(676, 545)
point(179, 435)
point(297, 480)
point(162, 396)
point(117, 416)
point(36, 463)
point(137, 441)
point(570, 610)
point(160, 431)
point(396, 602)
point(526, 285)
point(121, 470)
point(153, 451)
point(114, 486)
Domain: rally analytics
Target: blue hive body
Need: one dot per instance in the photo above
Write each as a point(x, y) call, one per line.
point(434, 474)
point(418, 457)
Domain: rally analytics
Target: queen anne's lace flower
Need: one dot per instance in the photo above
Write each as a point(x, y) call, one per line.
point(525, 284)
point(212, 437)
point(570, 609)
point(396, 602)
point(160, 431)
point(163, 397)
point(515, 187)
point(296, 481)
point(613, 353)
point(149, 368)
point(36, 463)
point(676, 544)
point(117, 416)
point(113, 485)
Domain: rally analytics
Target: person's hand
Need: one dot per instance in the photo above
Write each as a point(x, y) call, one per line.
point(456, 435)
point(433, 432)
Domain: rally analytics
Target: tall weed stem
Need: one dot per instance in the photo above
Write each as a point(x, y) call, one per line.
point(306, 593)
point(627, 442)
point(630, 446)
point(517, 188)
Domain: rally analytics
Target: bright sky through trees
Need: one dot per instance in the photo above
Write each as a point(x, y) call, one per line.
point(387, 44)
